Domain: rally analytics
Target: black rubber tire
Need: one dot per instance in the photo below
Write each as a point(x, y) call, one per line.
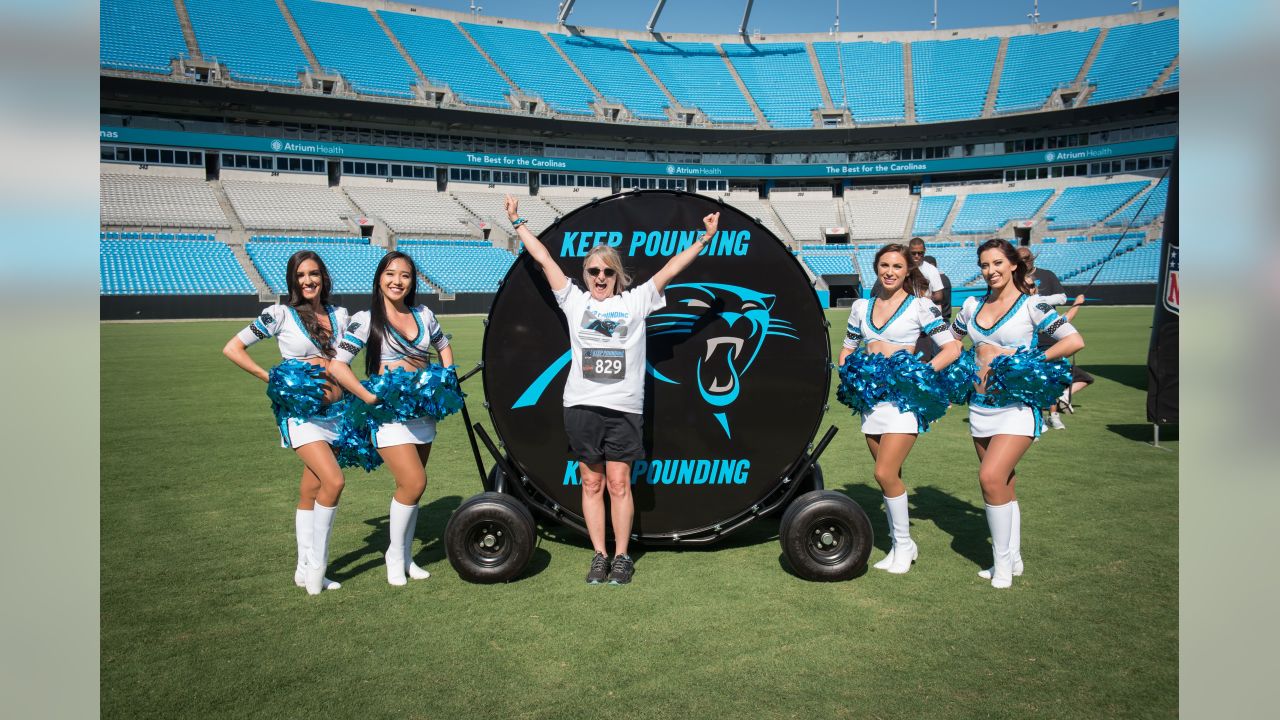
point(825, 536)
point(490, 538)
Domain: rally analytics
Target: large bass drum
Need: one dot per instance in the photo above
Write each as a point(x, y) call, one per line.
point(739, 366)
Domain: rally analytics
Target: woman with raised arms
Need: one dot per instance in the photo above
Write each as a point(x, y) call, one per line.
point(1005, 323)
point(397, 334)
point(604, 393)
point(890, 321)
point(306, 330)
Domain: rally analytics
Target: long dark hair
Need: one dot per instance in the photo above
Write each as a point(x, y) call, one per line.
point(915, 283)
point(306, 311)
point(1019, 276)
point(380, 331)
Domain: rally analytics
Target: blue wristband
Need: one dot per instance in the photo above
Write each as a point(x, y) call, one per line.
point(518, 222)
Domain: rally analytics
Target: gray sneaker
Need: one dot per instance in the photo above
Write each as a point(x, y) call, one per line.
point(599, 569)
point(622, 570)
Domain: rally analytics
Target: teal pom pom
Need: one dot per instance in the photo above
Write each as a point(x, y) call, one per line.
point(296, 389)
point(354, 446)
point(957, 380)
point(1027, 377)
point(867, 379)
point(403, 395)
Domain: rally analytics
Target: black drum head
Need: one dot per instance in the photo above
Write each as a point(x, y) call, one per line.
point(739, 363)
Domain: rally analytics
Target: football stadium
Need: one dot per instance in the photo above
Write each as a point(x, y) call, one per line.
point(236, 133)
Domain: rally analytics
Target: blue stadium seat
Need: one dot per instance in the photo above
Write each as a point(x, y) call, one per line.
point(459, 266)
point(698, 77)
point(351, 265)
point(269, 55)
point(140, 35)
point(1081, 207)
point(932, 214)
point(1140, 265)
point(347, 40)
point(447, 58)
point(534, 65)
point(866, 77)
point(1131, 58)
point(780, 78)
point(1153, 208)
point(1035, 65)
point(169, 267)
point(988, 212)
point(614, 70)
point(951, 77)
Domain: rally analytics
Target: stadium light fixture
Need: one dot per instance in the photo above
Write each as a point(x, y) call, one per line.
point(653, 19)
point(746, 15)
point(1035, 12)
point(934, 21)
point(836, 28)
point(475, 10)
point(1137, 4)
point(566, 7)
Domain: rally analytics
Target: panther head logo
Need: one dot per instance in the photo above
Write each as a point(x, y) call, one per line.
point(741, 320)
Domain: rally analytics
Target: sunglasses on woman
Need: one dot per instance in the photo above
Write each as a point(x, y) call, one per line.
point(594, 271)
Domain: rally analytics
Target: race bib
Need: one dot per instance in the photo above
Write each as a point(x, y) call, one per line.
point(604, 365)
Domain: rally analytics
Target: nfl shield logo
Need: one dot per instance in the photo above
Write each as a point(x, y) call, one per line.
point(1171, 290)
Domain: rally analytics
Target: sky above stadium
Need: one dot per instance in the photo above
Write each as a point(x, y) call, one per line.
point(796, 16)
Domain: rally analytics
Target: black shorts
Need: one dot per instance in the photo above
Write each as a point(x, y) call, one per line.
point(1078, 375)
point(598, 434)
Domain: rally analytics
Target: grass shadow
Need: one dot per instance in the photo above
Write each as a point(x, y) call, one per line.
point(1144, 432)
point(786, 568)
point(369, 556)
point(965, 523)
point(1134, 376)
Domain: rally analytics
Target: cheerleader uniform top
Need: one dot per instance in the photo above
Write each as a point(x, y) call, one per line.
point(283, 323)
point(914, 316)
point(395, 346)
point(1030, 314)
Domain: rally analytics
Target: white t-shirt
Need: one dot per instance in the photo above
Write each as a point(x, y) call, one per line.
point(931, 274)
point(607, 341)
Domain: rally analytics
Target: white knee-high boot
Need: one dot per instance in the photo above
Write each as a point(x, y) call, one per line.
point(1000, 521)
point(904, 548)
point(410, 567)
point(1015, 544)
point(304, 529)
point(395, 556)
point(887, 560)
point(319, 555)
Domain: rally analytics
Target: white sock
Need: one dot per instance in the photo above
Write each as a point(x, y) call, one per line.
point(399, 521)
point(1015, 544)
point(302, 529)
point(1000, 521)
point(410, 567)
point(1015, 539)
point(319, 556)
point(887, 560)
point(904, 548)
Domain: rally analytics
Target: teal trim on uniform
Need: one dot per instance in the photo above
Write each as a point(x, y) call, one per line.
point(342, 151)
point(871, 307)
point(1008, 314)
point(1048, 320)
point(333, 325)
point(418, 321)
point(932, 326)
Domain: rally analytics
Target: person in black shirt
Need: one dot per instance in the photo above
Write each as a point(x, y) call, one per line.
point(1047, 285)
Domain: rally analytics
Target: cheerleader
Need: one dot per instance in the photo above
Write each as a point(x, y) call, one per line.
point(1004, 321)
point(396, 333)
point(305, 330)
point(892, 320)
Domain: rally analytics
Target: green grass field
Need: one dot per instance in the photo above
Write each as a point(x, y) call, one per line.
point(200, 617)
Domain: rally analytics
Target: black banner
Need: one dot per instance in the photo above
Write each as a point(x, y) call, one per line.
point(1162, 358)
point(739, 362)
